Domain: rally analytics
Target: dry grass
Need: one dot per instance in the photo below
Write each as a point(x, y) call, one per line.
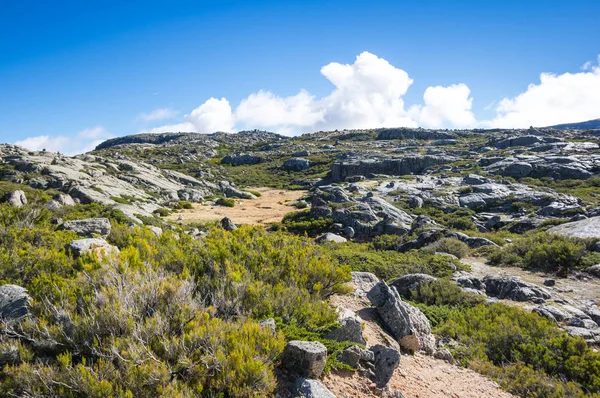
point(270, 207)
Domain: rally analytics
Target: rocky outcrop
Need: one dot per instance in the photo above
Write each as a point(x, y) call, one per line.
point(296, 164)
point(406, 323)
point(588, 228)
point(88, 227)
point(513, 288)
point(304, 358)
point(14, 302)
point(242, 159)
point(396, 166)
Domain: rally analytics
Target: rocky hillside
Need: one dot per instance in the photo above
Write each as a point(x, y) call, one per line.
point(589, 125)
point(410, 263)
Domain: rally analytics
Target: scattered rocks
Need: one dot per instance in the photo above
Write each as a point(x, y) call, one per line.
point(268, 324)
point(304, 358)
point(363, 282)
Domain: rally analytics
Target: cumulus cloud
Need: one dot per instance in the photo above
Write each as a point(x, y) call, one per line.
point(445, 105)
point(556, 99)
point(367, 93)
point(84, 141)
point(158, 114)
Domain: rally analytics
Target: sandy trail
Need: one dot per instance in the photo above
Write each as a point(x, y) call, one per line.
point(418, 376)
point(270, 207)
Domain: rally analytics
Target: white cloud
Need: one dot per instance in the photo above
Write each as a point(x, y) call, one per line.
point(445, 106)
point(366, 94)
point(556, 99)
point(158, 114)
point(84, 141)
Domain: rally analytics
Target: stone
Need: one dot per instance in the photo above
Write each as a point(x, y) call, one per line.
point(16, 198)
point(304, 358)
point(593, 312)
point(308, 388)
point(444, 354)
point(386, 362)
point(406, 323)
point(14, 302)
point(89, 245)
point(591, 336)
point(415, 202)
point(553, 313)
point(227, 224)
point(88, 227)
point(241, 159)
point(549, 282)
point(268, 324)
point(408, 282)
point(350, 328)
point(588, 228)
point(513, 288)
point(351, 356)
point(64, 199)
point(594, 270)
point(363, 282)
point(296, 164)
point(330, 237)
point(468, 281)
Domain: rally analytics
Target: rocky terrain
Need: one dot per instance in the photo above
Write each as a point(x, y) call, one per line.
point(449, 223)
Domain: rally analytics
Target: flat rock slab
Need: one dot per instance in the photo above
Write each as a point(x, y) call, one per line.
point(588, 228)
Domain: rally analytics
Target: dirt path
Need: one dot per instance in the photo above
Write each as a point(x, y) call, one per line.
point(270, 207)
point(572, 290)
point(418, 376)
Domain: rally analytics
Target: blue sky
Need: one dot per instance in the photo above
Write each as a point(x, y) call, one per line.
point(75, 72)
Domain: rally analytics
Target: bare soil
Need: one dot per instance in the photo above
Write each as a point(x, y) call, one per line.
point(270, 207)
point(418, 376)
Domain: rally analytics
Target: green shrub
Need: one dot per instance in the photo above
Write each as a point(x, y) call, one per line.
point(227, 202)
point(443, 293)
point(452, 246)
point(255, 193)
point(390, 264)
point(465, 190)
point(162, 212)
point(527, 354)
point(546, 252)
point(303, 222)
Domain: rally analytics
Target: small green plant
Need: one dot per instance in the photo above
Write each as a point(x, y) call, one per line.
point(227, 202)
point(162, 212)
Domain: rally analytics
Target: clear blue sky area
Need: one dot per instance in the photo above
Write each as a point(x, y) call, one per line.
point(70, 65)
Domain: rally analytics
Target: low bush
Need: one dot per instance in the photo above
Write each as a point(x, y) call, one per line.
point(227, 202)
point(546, 252)
point(527, 354)
point(451, 246)
point(390, 264)
point(301, 222)
point(162, 212)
